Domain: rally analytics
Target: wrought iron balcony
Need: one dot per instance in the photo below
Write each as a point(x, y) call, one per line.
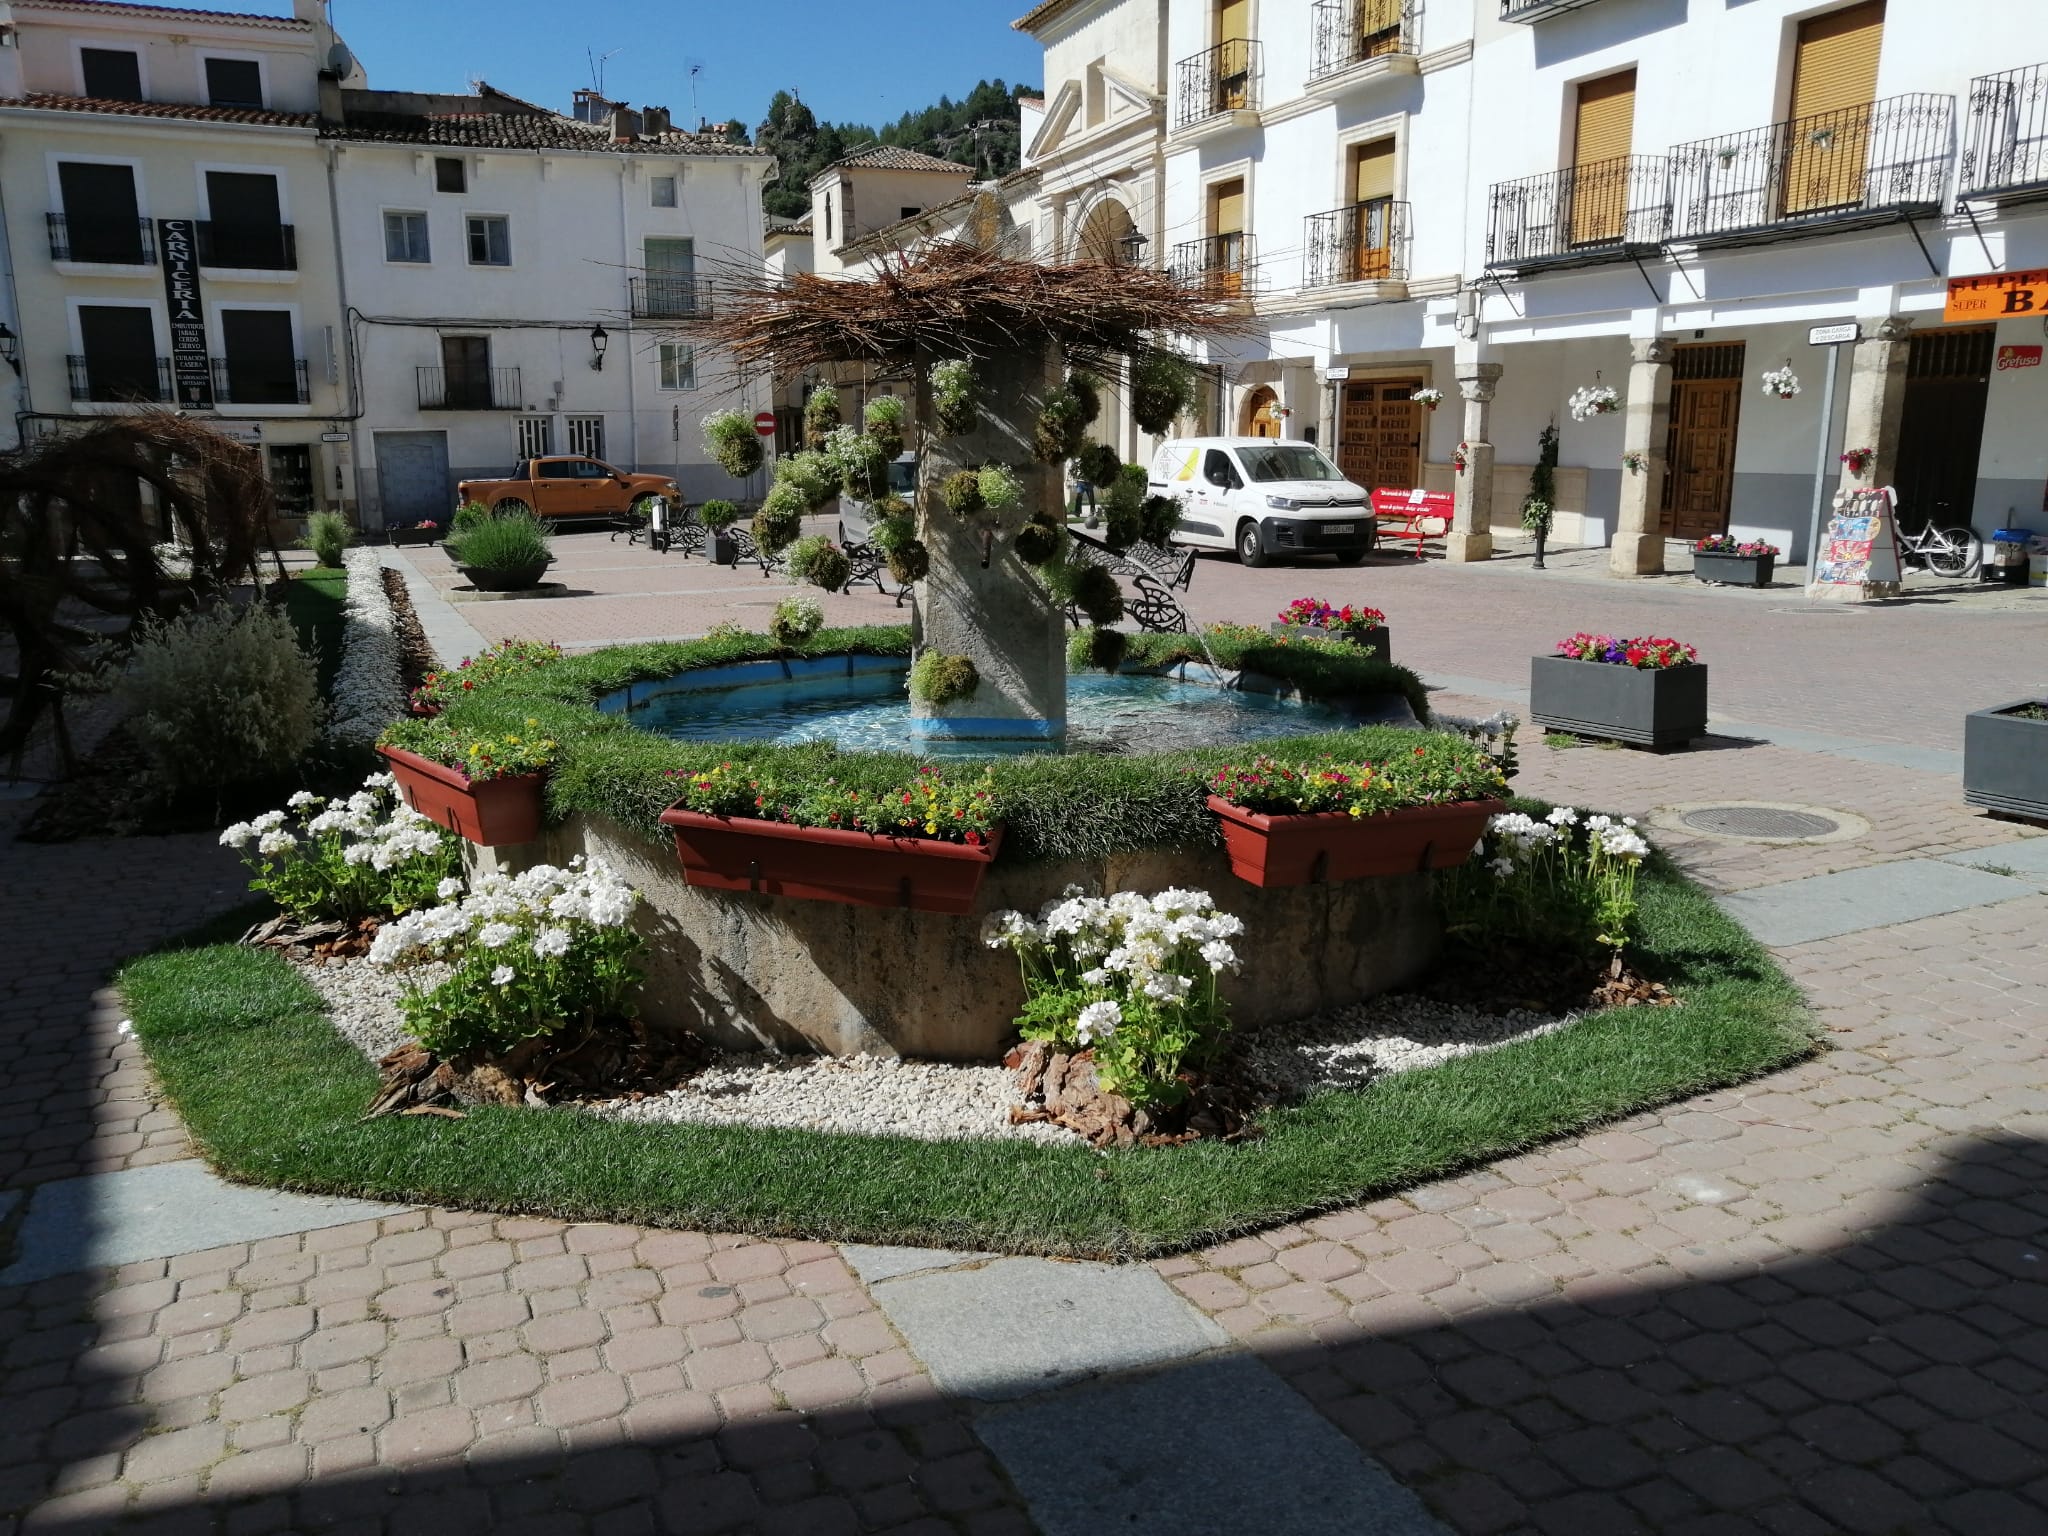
point(1221, 264)
point(248, 247)
point(662, 296)
point(1857, 163)
point(261, 381)
point(2007, 148)
point(1582, 213)
point(1366, 242)
point(1218, 80)
point(470, 389)
point(109, 242)
point(1536, 10)
point(1349, 32)
point(119, 379)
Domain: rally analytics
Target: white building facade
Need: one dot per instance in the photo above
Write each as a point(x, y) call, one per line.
point(1513, 200)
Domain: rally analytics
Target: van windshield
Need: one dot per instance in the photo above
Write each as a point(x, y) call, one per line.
point(1286, 461)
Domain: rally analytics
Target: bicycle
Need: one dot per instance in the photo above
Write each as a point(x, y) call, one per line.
point(1949, 552)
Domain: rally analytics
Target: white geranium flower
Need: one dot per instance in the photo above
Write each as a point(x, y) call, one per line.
point(304, 800)
point(240, 835)
point(1167, 987)
point(496, 935)
point(1219, 956)
point(450, 888)
point(1562, 816)
point(269, 821)
point(502, 976)
point(1098, 1021)
point(551, 943)
point(272, 843)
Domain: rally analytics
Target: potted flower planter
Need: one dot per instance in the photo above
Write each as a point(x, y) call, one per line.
point(516, 580)
point(858, 869)
point(1646, 706)
point(1324, 847)
point(491, 814)
point(723, 550)
point(418, 533)
point(1378, 642)
point(2005, 760)
point(1734, 570)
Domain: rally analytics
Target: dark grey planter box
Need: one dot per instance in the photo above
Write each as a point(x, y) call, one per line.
point(1662, 708)
point(2005, 761)
point(1379, 642)
point(723, 550)
point(1735, 570)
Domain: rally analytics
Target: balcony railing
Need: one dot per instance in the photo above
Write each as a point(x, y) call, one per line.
point(1887, 155)
point(485, 389)
point(1217, 80)
point(281, 381)
point(660, 296)
point(1349, 32)
point(118, 379)
point(250, 247)
point(1366, 242)
point(1582, 211)
point(1221, 264)
point(1536, 10)
point(2007, 149)
point(109, 242)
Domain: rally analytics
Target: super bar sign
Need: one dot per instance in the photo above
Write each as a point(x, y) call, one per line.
point(1997, 294)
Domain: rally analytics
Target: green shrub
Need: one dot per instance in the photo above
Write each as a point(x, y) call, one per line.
point(329, 535)
point(1162, 391)
point(1040, 541)
point(821, 414)
point(961, 493)
point(366, 856)
point(894, 528)
point(516, 542)
point(717, 515)
point(1062, 422)
point(1107, 648)
point(469, 515)
point(732, 442)
point(1000, 488)
point(796, 619)
point(820, 562)
point(884, 418)
point(953, 397)
point(1122, 502)
point(780, 522)
point(1098, 463)
point(910, 563)
point(1158, 517)
point(1098, 596)
point(1088, 390)
point(937, 679)
point(218, 697)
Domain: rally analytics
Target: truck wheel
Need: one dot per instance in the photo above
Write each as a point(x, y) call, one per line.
point(1251, 550)
point(511, 506)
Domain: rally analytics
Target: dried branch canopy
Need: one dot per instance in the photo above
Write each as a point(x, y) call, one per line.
point(956, 299)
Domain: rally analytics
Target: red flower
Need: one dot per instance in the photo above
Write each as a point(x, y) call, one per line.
point(973, 838)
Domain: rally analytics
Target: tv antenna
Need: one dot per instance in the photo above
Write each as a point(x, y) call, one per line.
point(694, 68)
point(597, 64)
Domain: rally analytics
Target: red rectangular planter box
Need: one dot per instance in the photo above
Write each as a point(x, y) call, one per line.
point(858, 869)
point(493, 814)
point(1319, 847)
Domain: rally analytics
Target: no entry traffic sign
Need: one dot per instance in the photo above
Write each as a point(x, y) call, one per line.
point(764, 423)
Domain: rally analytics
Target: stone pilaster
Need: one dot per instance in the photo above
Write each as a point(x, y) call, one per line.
point(1471, 535)
point(1877, 400)
point(1638, 540)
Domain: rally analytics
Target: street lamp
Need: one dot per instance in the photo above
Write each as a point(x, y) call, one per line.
point(10, 349)
point(599, 340)
point(1131, 248)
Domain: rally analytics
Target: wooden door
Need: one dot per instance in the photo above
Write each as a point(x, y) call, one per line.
point(1372, 193)
point(1379, 434)
point(1603, 134)
point(1834, 81)
point(1262, 414)
point(1233, 54)
point(1700, 481)
point(1941, 432)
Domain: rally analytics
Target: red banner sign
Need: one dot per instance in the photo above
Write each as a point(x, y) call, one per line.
point(2018, 357)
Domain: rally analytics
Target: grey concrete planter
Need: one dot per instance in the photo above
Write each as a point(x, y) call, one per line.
point(2005, 761)
point(1734, 570)
point(722, 549)
point(1380, 642)
point(1666, 707)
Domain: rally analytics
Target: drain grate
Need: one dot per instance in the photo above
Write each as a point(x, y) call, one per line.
point(1759, 821)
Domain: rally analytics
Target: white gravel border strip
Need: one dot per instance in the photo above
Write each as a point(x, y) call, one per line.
point(369, 692)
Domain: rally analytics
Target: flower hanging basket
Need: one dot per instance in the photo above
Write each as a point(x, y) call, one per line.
point(857, 869)
point(492, 813)
point(1324, 847)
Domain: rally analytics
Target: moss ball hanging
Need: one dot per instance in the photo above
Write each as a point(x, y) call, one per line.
point(1107, 648)
point(1040, 541)
point(961, 492)
point(821, 414)
point(1062, 424)
point(953, 397)
point(909, 563)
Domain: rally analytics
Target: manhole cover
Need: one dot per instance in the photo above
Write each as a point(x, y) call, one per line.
point(1759, 821)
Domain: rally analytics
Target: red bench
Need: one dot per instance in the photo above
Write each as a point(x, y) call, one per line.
point(1417, 516)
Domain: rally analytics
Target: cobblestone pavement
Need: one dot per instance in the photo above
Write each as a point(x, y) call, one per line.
point(1812, 1304)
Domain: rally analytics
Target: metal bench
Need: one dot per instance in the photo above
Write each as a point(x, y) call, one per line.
point(1154, 572)
point(1416, 516)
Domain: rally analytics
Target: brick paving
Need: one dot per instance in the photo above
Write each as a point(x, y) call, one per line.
point(1812, 1304)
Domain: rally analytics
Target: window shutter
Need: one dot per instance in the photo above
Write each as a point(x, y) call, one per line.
point(1606, 119)
point(1226, 202)
point(1836, 64)
point(1372, 171)
point(1233, 21)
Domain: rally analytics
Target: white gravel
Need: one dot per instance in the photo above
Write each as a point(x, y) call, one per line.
point(1344, 1048)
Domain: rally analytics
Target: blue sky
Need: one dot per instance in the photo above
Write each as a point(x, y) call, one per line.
point(851, 61)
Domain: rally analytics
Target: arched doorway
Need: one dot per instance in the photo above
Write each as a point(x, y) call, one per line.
point(1262, 413)
point(1106, 235)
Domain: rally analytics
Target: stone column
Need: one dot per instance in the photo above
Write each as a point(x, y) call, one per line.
point(979, 600)
point(1638, 540)
point(1877, 400)
point(1471, 535)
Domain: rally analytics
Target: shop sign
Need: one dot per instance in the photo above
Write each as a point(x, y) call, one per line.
point(1995, 295)
point(191, 368)
point(333, 437)
point(250, 432)
point(2018, 357)
point(1833, 335)
point(1339, 373)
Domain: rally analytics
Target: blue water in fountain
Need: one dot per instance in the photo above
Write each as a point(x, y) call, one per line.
point(1105, 713)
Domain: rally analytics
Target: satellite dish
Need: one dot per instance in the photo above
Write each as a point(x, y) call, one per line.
point(340, 61)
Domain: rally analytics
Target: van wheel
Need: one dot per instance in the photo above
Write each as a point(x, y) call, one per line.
point(1351, 557)
point(1251, 550)
point(511, 506)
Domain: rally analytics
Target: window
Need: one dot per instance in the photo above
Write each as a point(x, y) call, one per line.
point(662, 191)
point(405, 237)
point(490, 240)
point(111, 74)
point(1603, 133)
point(466, 372)
point(291, 478)
point(671, 277)
point(536, 440)
point(234, 82)
point(909, 213)
point(586, 436)
point(828, 216)
point(678, 365)
point(588, 469)
point(451, 174)
point(260, 366)
point(120, 359)
point(1218, 471)
point(102, 222)
point(558, 469)
point(245, 223)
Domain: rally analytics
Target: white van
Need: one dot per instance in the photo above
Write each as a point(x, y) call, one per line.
point(1264, 497)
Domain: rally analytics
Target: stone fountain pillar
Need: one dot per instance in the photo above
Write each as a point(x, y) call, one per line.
point(979, 600)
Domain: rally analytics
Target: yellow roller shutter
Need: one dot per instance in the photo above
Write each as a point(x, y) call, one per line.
point(1226, 261)
point(1834, 81)
point(1372, 187)
point(1233, 21)
point(1603, 134)
point(1372, 171)
point(1226, 208)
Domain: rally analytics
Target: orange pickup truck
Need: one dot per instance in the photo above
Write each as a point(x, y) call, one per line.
point(568, 486)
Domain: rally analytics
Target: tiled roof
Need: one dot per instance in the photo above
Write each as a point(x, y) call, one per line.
point(1038, 15)
point(46, 102)
point(893, 157)
point(172, 12)
point(488, 129)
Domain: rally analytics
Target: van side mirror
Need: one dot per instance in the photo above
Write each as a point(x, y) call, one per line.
point(1221, 477)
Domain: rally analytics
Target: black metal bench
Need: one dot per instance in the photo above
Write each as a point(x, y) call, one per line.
point(1155, 572)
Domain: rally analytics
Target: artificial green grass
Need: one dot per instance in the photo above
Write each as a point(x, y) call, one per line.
point(313, 601)
point(272, 1094)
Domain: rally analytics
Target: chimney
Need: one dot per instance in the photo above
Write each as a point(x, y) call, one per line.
point(654, 121)
point(622, 125)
